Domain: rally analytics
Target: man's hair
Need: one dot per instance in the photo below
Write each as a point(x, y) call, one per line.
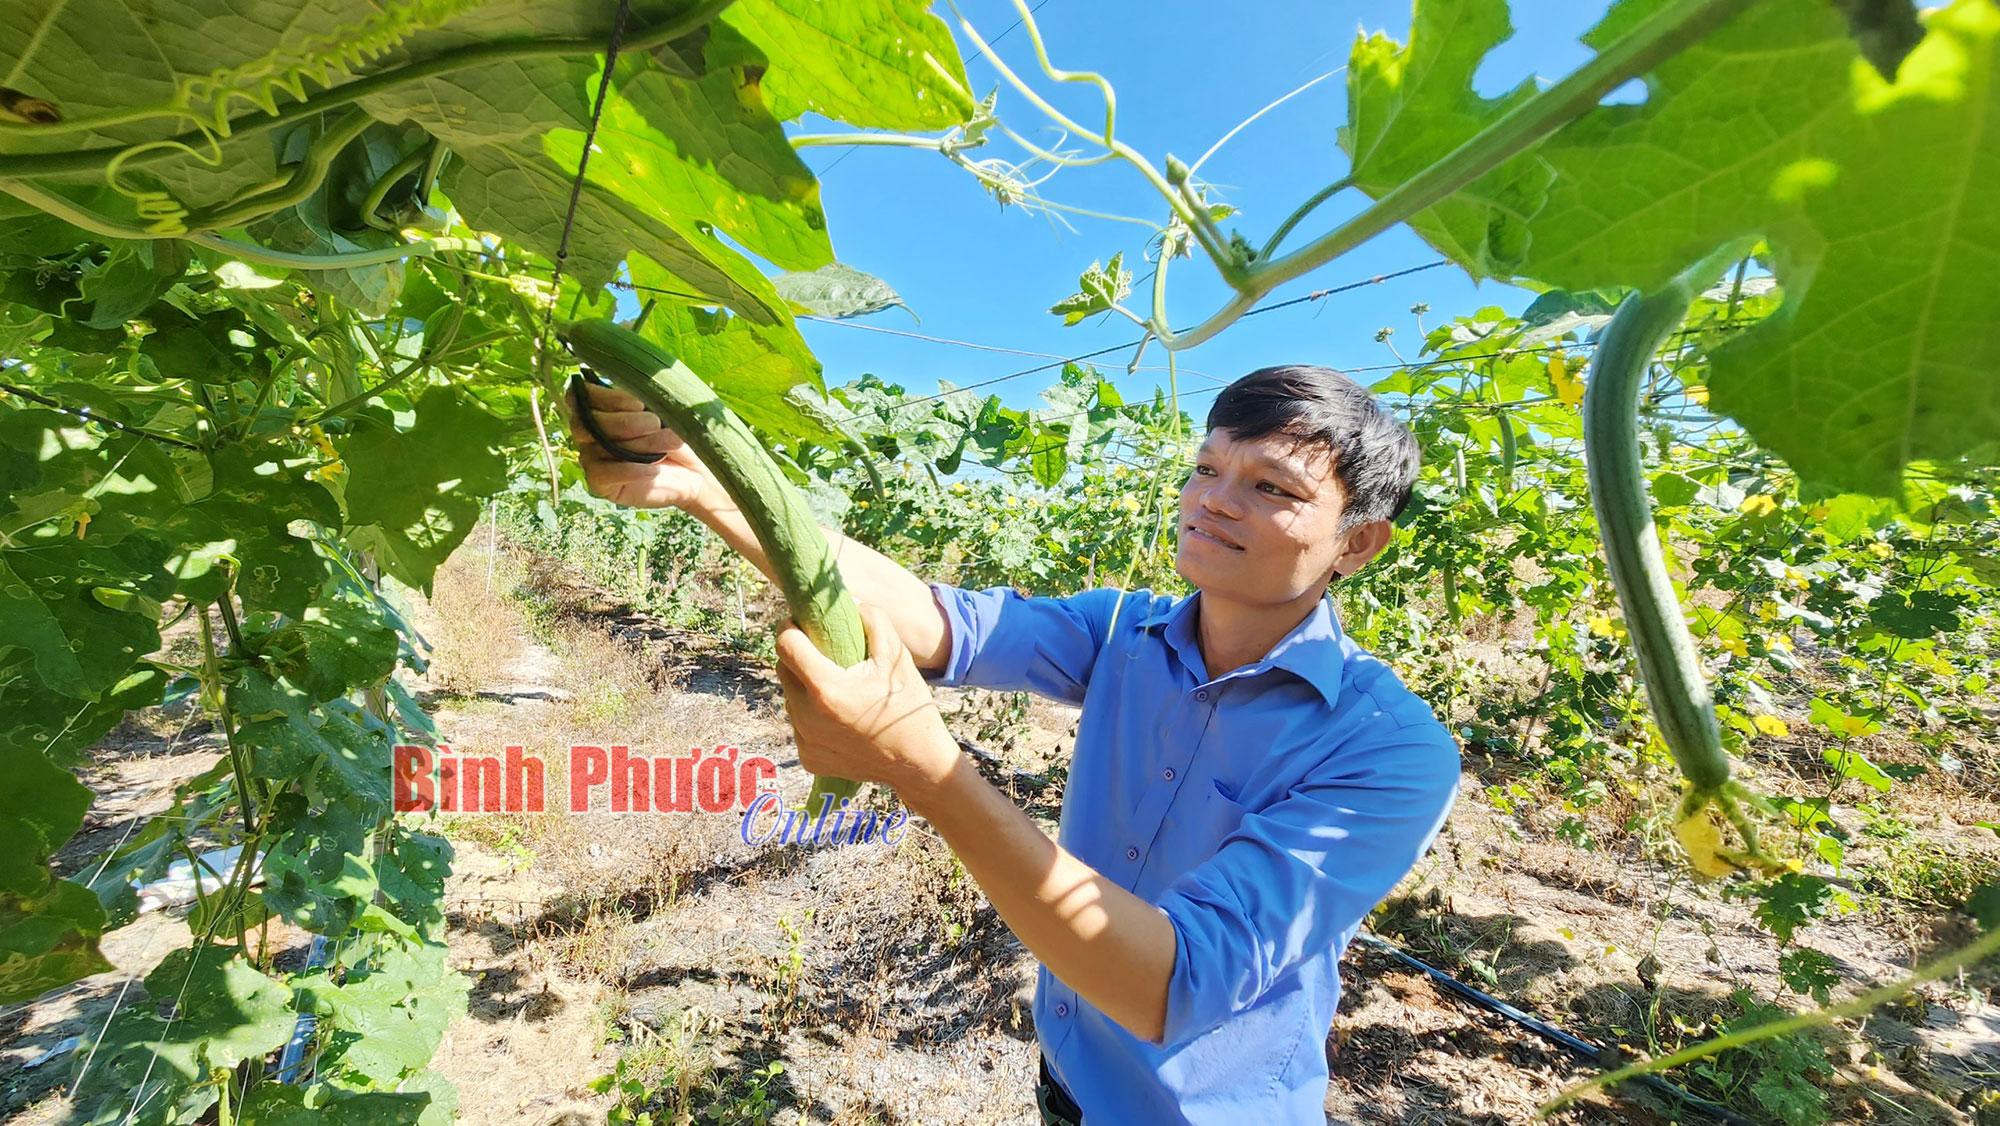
point(1374, 456)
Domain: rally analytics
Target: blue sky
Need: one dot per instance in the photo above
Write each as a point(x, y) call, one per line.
point(1185, 76)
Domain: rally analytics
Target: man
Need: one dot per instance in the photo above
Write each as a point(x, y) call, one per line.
point(1247, 783)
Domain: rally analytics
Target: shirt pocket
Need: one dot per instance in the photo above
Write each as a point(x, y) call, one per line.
point(1195, 829)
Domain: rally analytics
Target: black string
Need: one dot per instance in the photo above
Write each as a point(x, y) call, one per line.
point(582, 165)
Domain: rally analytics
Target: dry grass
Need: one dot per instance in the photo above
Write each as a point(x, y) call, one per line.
point(471, 628)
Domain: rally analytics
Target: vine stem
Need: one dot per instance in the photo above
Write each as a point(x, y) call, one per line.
point(94, 160)
point(239, 766)
point(1298, 216)
point(1659, 38)
point(1984, 947)
point(1108, 139)
point(79, 216)
point(304, 181)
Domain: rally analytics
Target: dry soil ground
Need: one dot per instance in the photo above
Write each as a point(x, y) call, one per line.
point(875, 984)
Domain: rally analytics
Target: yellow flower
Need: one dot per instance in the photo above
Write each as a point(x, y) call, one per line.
point(1880, 550)
point(1603, 626)
point(1771, 725)
point(1698, 395)
point(1736, 645)
point(1759, 505)
point(1569, 389)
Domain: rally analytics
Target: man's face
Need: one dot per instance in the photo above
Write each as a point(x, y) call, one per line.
point(1259, 519)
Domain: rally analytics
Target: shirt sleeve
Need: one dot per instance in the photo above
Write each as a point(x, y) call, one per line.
point(1005, 640)
point(1298, 875)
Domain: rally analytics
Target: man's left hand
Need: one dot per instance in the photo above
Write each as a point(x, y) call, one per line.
point(875, 722)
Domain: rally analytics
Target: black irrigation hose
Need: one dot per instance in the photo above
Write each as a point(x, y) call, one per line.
point(1575, 1045)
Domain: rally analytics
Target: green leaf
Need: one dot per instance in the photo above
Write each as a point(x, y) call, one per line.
point(1853, 764)
point(1809, 972)
point(58, 727)
point(1791, 901)
point(47, 939)
point(837, 290)
point(1985, 906)
point(705, 148)
point(1840, 172)
point(218, 347)
point(247, 515)
point(1915, 615)
point(130, 278)
point(210, 1009)
point(414, 493)
point(278, 1104)
point(1408, 106)
point(521, 194)
point(291, 735)
point(388, 1016)
point(80, 646)
point(338, 647)
point(1098, 289)
point(879, 64)
point(753, 367)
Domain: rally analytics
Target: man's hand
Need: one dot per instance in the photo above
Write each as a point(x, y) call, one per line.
point(678, 480)
point(875, 722)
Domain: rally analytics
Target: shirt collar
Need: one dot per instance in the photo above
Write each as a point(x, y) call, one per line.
point(1314, 650)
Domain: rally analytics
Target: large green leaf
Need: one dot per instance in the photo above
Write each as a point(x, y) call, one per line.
point(1409, 106)
point(522, 194)
point(885, 64)
point(248, 516)
point(210, 1009)
point(71, 605)
point(705, 148)
point(751, 366)
point(381, 1030)
point(422, 487)
point(1869, 194)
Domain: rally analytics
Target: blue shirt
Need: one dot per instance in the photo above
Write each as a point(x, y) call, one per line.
point(1264, 812)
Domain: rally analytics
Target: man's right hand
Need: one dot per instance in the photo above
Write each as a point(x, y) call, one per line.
point(677, 480)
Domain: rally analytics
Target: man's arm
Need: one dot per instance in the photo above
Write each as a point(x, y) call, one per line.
point(680, 480)
point(1112, 947)
point(877, 722)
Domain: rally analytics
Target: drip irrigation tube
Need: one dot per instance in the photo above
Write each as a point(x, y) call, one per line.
point(1575, 1045)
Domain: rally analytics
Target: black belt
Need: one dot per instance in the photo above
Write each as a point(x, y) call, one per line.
point(1058, 1109)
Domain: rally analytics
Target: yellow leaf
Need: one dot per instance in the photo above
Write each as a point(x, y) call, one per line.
point(1569, 389)
point(1566, 933)
point(1771, 725)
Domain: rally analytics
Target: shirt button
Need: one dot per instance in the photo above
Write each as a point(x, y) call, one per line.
point(1062, 1008)
point(1131, 854)
point(1168, 774)
point(1201, 695)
